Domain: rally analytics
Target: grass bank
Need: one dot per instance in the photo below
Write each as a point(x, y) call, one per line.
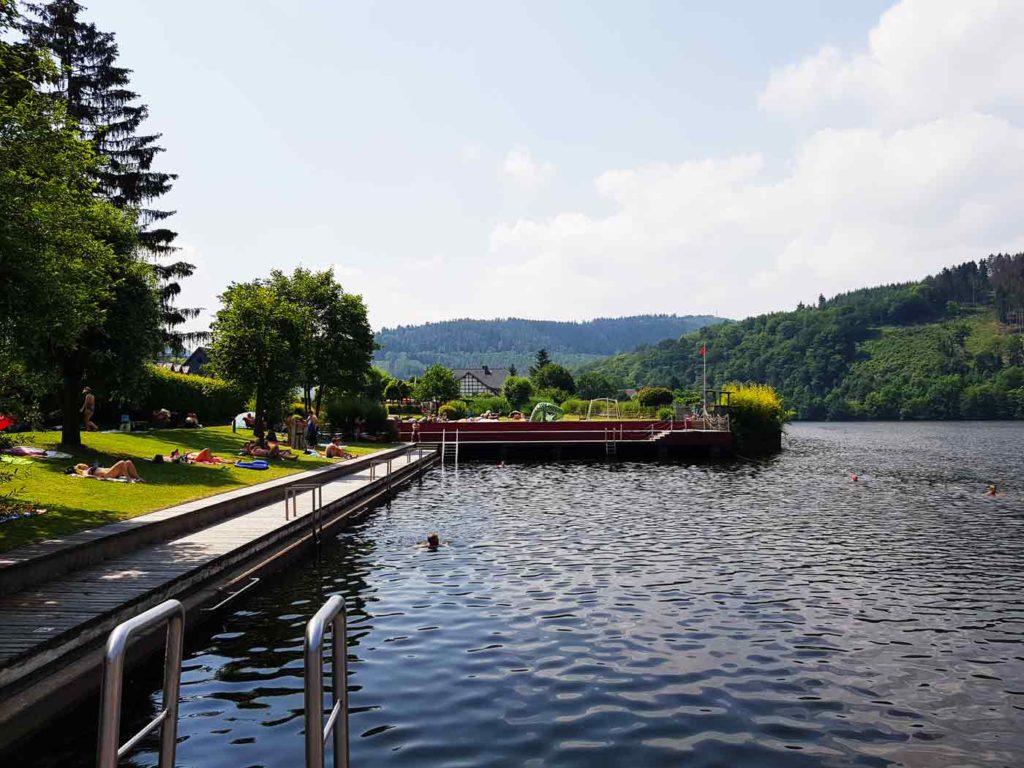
point(75, 504)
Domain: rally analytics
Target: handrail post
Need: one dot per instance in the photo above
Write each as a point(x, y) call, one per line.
point(172, 613)
point(333, 613)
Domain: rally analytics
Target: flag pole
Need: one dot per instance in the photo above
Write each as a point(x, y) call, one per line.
point(704, 355)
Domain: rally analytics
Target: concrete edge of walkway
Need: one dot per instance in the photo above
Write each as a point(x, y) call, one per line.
point(35, 563)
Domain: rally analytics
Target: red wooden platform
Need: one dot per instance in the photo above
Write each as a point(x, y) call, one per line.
point(620, 433)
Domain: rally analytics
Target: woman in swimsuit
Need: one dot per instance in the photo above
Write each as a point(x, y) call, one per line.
point(123, 468)
point(204, 456)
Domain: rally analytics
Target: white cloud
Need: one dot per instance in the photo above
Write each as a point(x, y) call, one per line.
point(915, 161)
point(470, 153)
point(925, 59)
point(522, 168)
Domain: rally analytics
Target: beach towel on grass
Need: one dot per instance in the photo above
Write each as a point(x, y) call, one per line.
point(36, 453)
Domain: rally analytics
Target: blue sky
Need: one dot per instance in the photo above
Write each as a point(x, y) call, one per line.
point(571, 160)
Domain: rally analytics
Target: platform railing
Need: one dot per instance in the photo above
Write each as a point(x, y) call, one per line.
point(317, 733)
point(108, 752)
point(291, 498)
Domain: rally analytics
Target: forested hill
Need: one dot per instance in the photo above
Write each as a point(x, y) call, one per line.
point(949, 346)
point(408, 350)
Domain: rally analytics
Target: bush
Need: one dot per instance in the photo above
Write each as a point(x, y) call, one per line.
point(486, 403)
point(517, 390)
point(553, 395)
point(652, 397)
point(757, 415)
point(665, 413)
point(454, 410)
point(687, 397)
point(575, 406)
point(405, 410)
point(213, 400)
point(343, 410)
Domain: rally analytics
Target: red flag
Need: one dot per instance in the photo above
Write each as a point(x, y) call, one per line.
point(703, 351)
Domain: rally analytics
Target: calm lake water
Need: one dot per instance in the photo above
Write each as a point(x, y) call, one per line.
point(586, 614)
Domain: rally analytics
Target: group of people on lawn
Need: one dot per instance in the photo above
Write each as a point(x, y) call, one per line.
point(265, 444)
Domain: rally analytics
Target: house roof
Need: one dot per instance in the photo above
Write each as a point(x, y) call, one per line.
point(493, 378)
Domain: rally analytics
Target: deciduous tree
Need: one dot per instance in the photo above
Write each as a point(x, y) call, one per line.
point(437, 384)
point(255, 343)
point(77, 301)
point(335, 343)
point(554, 376)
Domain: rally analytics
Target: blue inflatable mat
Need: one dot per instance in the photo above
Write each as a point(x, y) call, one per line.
point(254, 464)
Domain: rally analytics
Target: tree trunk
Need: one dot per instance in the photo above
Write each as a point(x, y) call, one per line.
point(259, 426)
point(319, 399)
point(71, 431)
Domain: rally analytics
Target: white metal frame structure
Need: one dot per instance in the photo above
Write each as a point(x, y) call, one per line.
point(604, 400)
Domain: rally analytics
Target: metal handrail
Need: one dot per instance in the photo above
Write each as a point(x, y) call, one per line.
point(171, 613)
point(291, 494)
point(333, 613)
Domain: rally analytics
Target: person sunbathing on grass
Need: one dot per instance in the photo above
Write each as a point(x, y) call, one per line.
point(204, 456)
point(272, 451)
point(123, 468)
point(335, 450)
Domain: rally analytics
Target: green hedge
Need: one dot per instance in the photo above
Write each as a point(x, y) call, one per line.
point(484, 403)
point(454, 410)
point(214, 401)
point(405, 410)
point(342, 412)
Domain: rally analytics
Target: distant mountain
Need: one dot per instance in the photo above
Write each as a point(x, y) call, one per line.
point(408, 350)
point(949, 346)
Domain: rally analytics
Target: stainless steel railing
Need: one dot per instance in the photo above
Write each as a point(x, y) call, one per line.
point(171, 613)
point(317, 734)
point(291, 498)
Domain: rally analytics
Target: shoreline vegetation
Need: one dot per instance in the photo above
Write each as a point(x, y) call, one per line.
point(948, 347)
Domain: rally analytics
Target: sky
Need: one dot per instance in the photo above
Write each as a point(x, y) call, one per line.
point(582, 159)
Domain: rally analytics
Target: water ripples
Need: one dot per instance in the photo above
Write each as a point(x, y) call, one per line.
point(750, 614)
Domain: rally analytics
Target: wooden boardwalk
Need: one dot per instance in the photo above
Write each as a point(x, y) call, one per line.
point(40, 624)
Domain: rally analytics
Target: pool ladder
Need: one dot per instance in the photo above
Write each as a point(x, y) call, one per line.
point(172, 615)
point(450, 448)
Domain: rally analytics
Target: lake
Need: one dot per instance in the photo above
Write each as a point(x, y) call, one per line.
point(749, 613)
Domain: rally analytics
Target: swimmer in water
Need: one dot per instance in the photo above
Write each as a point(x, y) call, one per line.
point(433, 542)
point(992, 490)
point(853, 477)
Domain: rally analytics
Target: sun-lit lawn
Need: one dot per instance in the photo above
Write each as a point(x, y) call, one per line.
point(74, 504)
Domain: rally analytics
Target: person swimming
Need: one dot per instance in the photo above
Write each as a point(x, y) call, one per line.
point(992, 490)
point(854, 477)
point(433, 542)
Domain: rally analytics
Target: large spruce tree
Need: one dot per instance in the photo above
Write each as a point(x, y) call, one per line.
point(98, 96)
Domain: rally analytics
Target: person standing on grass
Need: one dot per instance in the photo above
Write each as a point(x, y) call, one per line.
point(88, 409)
point(312, 430)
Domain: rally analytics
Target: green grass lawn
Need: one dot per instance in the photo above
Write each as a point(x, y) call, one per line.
point(75, 504)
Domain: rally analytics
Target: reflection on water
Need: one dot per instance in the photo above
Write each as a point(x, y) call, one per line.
point(751, 614)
